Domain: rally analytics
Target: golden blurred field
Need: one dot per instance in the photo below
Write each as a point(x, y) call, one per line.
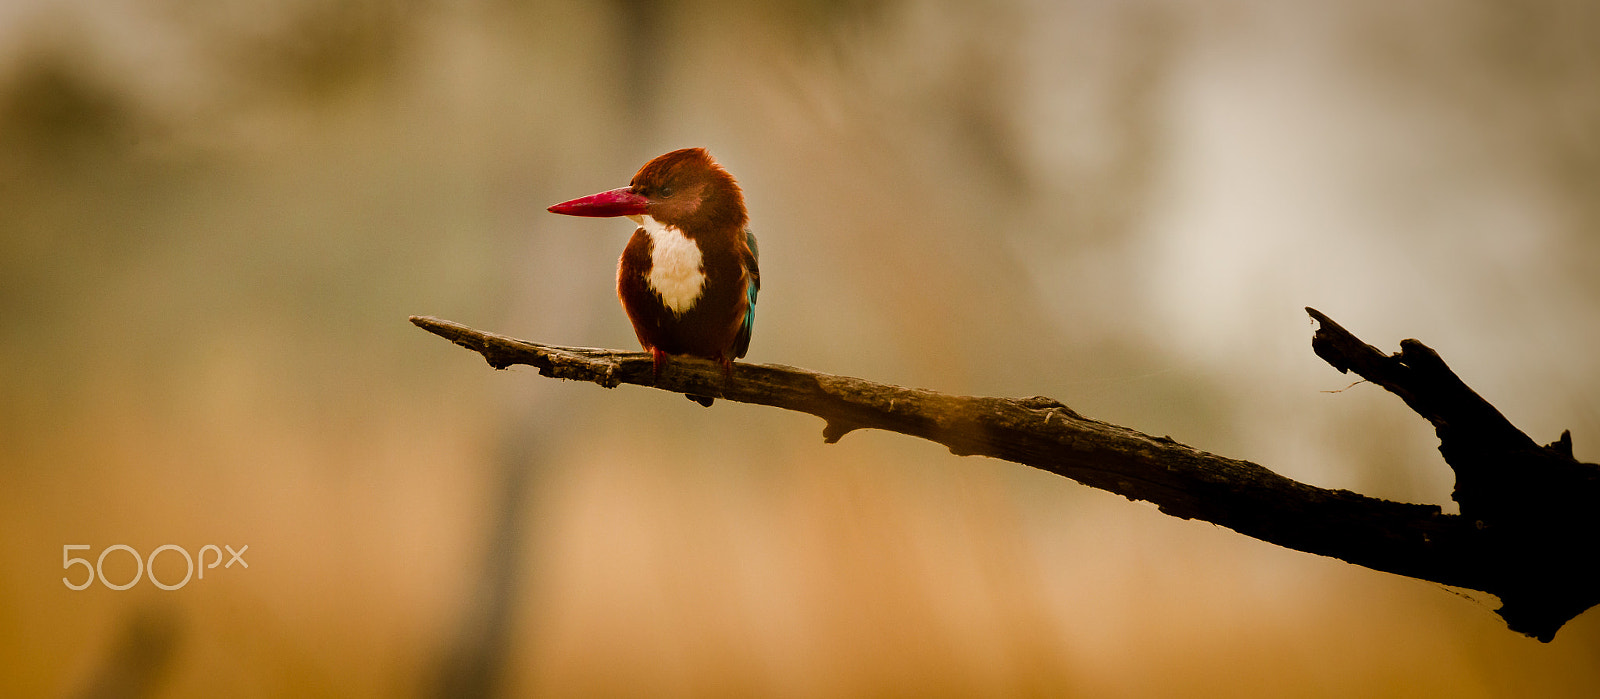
point(216, 217)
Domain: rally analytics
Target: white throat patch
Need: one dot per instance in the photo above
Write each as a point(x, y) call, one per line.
point(675, 266)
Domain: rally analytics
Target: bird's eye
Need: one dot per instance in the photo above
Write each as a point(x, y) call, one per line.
point(665, 191)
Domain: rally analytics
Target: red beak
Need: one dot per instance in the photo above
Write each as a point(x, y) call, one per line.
point(616, 202)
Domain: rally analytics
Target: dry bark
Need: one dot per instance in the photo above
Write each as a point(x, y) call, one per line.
point(1529, 521)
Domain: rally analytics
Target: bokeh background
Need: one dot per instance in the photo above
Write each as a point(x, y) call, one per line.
point(215, 218)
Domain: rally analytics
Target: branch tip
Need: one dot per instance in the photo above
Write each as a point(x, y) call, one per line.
point(1562, 446)
point(834, 430)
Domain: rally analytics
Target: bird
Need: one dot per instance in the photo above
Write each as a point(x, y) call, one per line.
point(688, 277)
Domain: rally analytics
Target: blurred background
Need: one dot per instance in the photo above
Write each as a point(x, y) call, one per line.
point(215, 218)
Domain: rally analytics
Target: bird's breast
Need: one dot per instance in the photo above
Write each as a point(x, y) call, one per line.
point(677, 268)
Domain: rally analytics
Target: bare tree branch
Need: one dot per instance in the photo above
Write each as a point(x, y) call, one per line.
point(1529, 521)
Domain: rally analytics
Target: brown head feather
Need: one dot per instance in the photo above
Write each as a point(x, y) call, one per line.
point(689, 191)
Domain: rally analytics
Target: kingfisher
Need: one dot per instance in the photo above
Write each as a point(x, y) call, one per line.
point(688, 277)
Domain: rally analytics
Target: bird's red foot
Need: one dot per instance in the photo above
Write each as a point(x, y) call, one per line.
point(658, 360)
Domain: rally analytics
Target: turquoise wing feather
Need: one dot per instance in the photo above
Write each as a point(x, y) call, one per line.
point(741, 341)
